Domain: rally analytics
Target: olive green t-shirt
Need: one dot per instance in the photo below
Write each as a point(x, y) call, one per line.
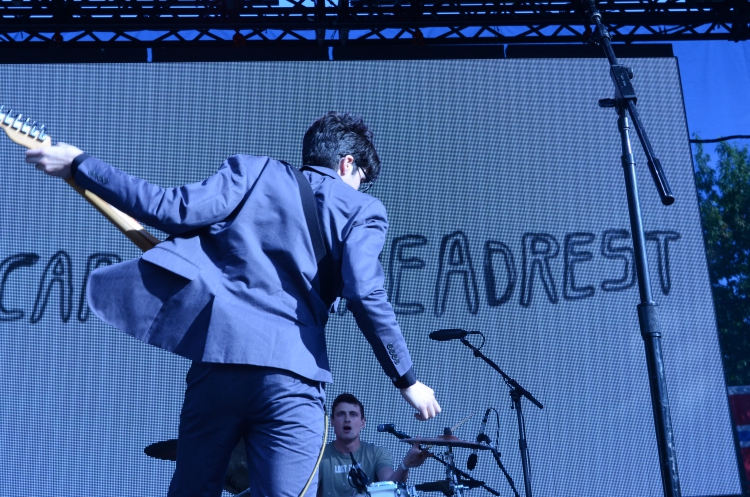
point(333, 476)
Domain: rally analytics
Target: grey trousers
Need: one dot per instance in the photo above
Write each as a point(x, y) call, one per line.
point(279, 415)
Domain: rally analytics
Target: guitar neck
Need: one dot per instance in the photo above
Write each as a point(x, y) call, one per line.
point(32, 136)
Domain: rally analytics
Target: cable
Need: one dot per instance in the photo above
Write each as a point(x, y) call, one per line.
point(320, 457)
point(484, 339)
point(497, 427)
point(722, 139)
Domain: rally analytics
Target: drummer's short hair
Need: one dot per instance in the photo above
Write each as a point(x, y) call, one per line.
point(349, 399)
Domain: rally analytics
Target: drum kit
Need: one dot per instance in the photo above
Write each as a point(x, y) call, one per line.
point(455, 483)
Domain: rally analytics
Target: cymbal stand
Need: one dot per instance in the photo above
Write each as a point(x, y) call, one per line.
point(449, 471)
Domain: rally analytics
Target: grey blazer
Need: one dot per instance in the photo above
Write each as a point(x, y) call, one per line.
point(233, 283)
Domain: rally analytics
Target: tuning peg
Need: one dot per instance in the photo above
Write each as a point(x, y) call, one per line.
point(8, 117)
point(2, 107)
point(40, 131)
point(26, 126)
point(15, 121)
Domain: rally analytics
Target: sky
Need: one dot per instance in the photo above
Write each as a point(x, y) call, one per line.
point(716, 87)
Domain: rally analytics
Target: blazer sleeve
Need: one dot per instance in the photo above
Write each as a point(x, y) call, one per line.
point(172, 210)
point(363, 279)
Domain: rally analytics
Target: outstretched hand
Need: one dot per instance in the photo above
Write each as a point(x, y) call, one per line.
point(422, 398)
point(55, 160)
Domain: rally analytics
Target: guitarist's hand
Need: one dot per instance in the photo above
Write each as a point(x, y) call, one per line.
point(55, 160)
point(422, 398)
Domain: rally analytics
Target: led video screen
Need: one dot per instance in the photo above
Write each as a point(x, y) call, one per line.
point(507, 212)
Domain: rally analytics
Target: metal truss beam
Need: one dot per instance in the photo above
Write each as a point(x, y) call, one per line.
point(328, 22)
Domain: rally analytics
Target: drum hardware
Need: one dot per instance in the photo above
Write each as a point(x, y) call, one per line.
point(389, 489)
point(453, 486)
point(444, 487)
point(389, 428)
point(483, 438)
point(236, 482)
point(444, 440)
point(464, 478)
point(456, 481)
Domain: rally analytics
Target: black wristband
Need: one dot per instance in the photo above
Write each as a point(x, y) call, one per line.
point(77, 162)
point(405, 380)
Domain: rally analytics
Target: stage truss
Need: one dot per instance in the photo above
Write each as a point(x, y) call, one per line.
point(367, 22)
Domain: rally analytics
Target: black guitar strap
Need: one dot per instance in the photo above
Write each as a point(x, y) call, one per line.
point(311, 215)
point(324, 279)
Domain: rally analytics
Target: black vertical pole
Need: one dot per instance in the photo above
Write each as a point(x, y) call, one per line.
point(320, 17)
point(649, 320)
point(515, 396)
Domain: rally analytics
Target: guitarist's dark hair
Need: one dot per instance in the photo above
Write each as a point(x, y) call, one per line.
point(333, 136)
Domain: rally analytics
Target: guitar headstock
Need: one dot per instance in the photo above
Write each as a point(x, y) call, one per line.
point(28, 133)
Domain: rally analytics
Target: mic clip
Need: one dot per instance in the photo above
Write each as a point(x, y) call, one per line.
point(483, 438)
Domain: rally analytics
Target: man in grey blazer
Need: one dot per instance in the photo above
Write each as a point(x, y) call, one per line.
point(235, 288)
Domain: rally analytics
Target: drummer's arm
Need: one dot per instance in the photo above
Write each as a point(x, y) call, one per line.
point(414, 458)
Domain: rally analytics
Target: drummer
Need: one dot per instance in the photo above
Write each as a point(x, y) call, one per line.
point(348, 419)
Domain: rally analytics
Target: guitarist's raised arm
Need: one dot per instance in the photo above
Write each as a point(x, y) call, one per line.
point(57, 161)
point(172, 210)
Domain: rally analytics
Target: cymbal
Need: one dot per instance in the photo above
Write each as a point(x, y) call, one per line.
point(166, 450)
point(444, 486)
point(445, 441)
point(236, 480)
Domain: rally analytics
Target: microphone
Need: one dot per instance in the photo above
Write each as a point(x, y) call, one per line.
point(471, 463)
point(451, 334)
point(390, 428)
point(357, 478)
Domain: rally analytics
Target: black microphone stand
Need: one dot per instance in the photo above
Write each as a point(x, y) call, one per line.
point(516, 392)
point(624, 103)
point(496, 455)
